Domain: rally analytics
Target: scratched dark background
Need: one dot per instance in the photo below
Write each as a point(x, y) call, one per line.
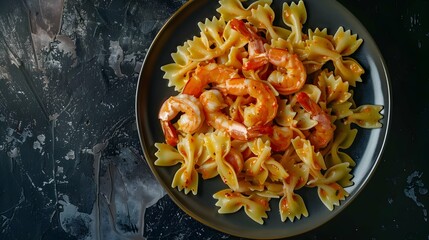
point(71, 165)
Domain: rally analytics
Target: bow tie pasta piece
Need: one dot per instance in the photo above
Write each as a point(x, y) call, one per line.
point(349, 70)
point(255, 166)
point(232, 39)
point(230, 9)
point(218, 145)
point(366, 116)
point(276, 170)
point(304, 121)
point(319, 33)
point(285, 115)
point(205, 165)
point(178, 73)
point(337, 91)
point(299, 174)
point(331, 194)
point(186, 178)
point(279, 41)
point(233, 57)
point(301, 50)
point(320, 49)
point(210, 32)
point(263, 165)
point(187, 153)
point(262, 18)
point(345, 43)
point(216, 38)
point(342, 171)
point(313, 91)
point(271, 190)
point(294, 16)
point(337, 173)
point(255, 206)
point(305, 152)
point(167, 155)
point(292, 206)
point(343, 139)
point(342, 110)
point(298, 171)
point(207, 45)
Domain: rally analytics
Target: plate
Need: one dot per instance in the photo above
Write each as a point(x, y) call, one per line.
point(152, 91)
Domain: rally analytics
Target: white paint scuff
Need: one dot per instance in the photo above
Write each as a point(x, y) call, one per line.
point(70, 155)
point(116, 57)
point(416, 189)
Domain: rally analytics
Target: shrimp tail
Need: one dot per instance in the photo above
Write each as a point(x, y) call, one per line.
point(241, 132)
point(246, 31)
point(258, 131)
point(257, 53)
point(194, 87)
point(324, 130)
point(170, 133)
point(256, 62)
point(308, 104)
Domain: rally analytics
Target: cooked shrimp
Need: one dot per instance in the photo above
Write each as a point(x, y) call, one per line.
point(257, 53)
point(265, 108)
point(236, 160)
point(280, 138)
point(324, 130)
point(189, 122)
point(290, 75)
point(210, 73)
point(213, 103)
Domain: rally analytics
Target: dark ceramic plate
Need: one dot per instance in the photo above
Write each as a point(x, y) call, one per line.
point(152, 90)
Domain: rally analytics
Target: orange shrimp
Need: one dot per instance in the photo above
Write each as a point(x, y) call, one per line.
point(236, 160)
point(213, 103)
point(266, 106)
point(324, 129)
point(210, 73)
point(189, 122)
point(290, 75)
point(257, 53)
point(281, 138)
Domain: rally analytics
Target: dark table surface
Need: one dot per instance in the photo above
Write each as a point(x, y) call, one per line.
point(71, 165)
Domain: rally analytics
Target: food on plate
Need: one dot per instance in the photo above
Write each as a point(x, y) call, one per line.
point(268, 109)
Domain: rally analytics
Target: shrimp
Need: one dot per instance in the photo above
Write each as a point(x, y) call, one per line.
point(189, 122)
point(257, 53)
point(290, 75)
point(266, 106)
point(281, 138)
point(236, 160)
point(210, 73)
point(324, 130)
point(213, 103)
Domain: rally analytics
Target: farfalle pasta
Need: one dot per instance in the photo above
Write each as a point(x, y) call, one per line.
point(267, 109)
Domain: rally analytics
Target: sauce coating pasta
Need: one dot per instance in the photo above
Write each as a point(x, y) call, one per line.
point(266, 108)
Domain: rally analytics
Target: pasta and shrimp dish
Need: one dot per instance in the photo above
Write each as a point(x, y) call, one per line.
point(267, 109)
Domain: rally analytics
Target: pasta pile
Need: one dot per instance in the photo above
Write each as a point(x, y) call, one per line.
point(243, 114)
